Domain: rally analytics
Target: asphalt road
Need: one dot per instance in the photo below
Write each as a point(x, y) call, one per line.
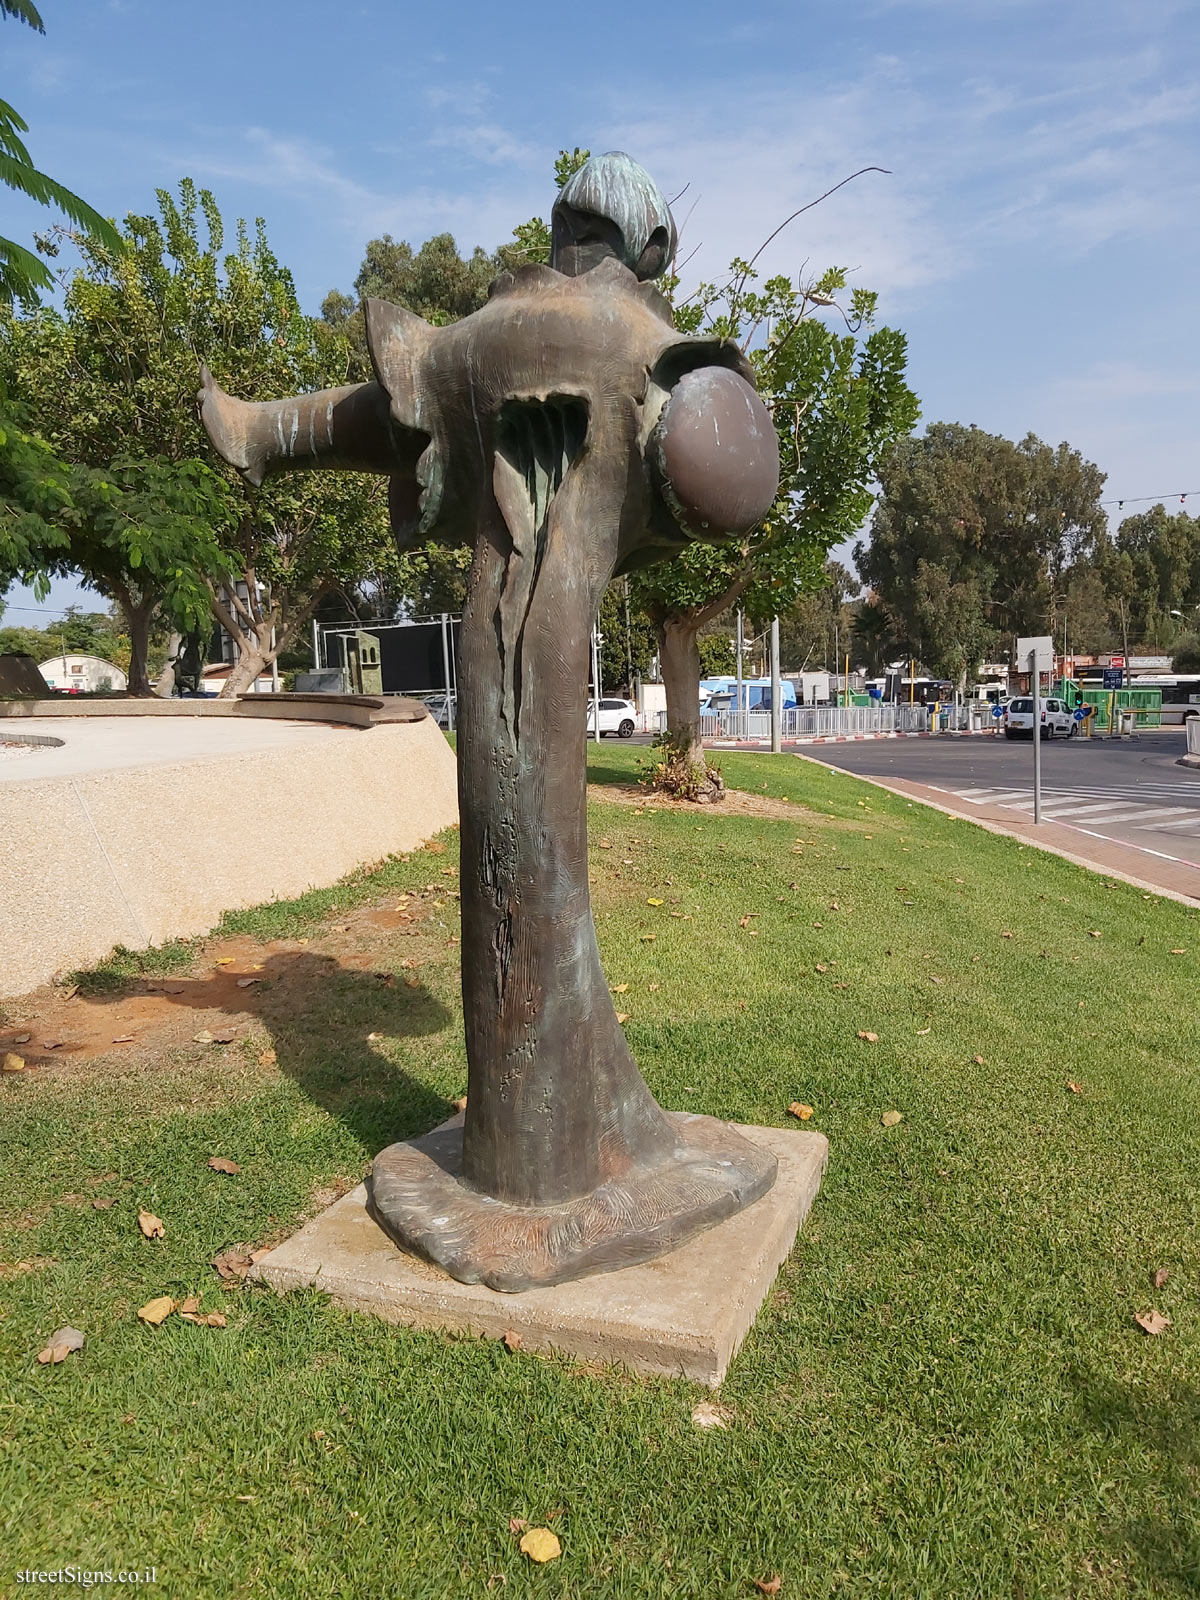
point(1131, 790)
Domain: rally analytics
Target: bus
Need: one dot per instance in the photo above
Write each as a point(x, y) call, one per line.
point(1180, 695)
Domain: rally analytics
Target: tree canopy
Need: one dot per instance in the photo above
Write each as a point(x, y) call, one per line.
point(973, 538)
point(110, 383)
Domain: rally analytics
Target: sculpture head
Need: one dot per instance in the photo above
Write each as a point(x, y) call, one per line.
point(612, 207)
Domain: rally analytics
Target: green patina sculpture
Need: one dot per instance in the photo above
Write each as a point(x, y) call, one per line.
point(568, 433)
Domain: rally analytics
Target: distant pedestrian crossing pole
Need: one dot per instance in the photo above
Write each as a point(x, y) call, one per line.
point(1038, 654)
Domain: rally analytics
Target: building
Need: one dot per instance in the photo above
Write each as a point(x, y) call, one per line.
point(70, 673)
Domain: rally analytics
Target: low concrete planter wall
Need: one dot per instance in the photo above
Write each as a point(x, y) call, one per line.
point(141, 854)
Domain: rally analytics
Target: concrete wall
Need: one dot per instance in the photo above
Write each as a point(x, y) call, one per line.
point(138, 855)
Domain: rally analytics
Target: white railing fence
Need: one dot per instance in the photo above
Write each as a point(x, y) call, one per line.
point(810, 722)
point(1193, 736)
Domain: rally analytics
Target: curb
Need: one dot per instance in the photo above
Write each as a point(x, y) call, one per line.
point(1009, 833)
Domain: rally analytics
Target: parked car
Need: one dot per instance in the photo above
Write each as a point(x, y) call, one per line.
point(616, 716)
point(1057, 718)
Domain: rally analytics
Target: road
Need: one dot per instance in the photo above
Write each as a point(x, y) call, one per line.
point(1132, 791)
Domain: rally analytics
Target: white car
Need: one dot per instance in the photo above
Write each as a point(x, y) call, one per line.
point(616, 716)
point(1057, 718)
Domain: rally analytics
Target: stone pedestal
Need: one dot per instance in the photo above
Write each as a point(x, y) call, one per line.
point(683, 1314)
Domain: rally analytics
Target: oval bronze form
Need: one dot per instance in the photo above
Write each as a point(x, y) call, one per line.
point(715, 446)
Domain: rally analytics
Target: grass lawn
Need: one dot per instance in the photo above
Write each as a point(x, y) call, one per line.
point(946, 1395)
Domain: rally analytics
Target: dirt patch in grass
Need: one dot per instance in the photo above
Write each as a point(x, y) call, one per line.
point(235, 989)
point(737, 803)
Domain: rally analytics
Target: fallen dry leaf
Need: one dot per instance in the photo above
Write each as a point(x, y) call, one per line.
point(800, 1111)
point(871, 1038)
point(651, 901)
point(647, 937)
point(770, 1585)
point(1075, 1088)
point(1161, 1276)
point(156, 1311)
point(922, 1031)
point(222, 961)
point(22, 1038)
point(166, 988)
point(743, 922)
point(539, 1544)
point(624, 1016)
point(978, 1060)
point(371, 1037)
point(436, 847)
point(822, 967)
point(70, 991)
point(517, 1525)
point(124, 1038)
point(225, 1038)
point(223, 1164)
point(153, 1227)
point(209, 1319)
point(512, 1340)
point(189, 1307)
point(245, 983)
point(707, 1414)
point(103, 1205)
point(62, 1342)
point(654, 987)
point(1006, 934)
point(267, 1057)
point(1093, 933)
point(232, 1265)
point(1153, 1322)
point(891, 1118)
point(460, 1103)
point(203, 1037)
point(13, 1062)
point(1173, 952)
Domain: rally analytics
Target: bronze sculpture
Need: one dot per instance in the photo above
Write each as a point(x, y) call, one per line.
point(569, 433)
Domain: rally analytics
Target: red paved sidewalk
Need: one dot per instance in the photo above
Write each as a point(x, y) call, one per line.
point(1177, 880)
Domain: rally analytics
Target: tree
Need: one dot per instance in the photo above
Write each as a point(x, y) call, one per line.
point(971, 538)
point(839, 402)
point(434, 281)
point(626, 639)
point(111, 383)
point(21, 273)
point(817, 626)
point(1151, 573)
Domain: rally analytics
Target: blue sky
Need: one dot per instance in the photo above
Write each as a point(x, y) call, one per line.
point(1037, 237)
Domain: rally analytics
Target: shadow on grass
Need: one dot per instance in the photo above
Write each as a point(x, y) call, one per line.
point(320, 1016)
point(1164, 1426)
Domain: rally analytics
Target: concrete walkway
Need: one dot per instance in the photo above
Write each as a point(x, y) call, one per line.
point(1156, 871)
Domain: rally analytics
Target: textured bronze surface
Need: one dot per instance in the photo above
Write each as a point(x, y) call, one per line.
point(543, 430)
point(713, 1172)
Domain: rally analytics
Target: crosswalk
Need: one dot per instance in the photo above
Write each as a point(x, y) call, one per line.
point(1145, 807)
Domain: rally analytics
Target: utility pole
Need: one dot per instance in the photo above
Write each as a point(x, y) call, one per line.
point(776, 691)
point(738, 724)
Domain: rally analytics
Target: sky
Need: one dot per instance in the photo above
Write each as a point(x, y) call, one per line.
point(1036, 234)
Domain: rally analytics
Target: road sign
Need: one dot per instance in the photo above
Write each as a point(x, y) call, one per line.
point(997, 712)
point(1116, 661)
point(1079, 714)
point(1035, 656)
point(1114, 677)
point(1040, 644)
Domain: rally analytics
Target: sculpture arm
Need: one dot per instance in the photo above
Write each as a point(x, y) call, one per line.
point(348, 429)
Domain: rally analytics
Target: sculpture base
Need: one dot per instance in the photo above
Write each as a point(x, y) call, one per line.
point(682, 1315)
point(415, 1193)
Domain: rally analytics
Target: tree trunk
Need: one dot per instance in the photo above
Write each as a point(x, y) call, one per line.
point(679, 657)
point(138, 618)
point(249, 664)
